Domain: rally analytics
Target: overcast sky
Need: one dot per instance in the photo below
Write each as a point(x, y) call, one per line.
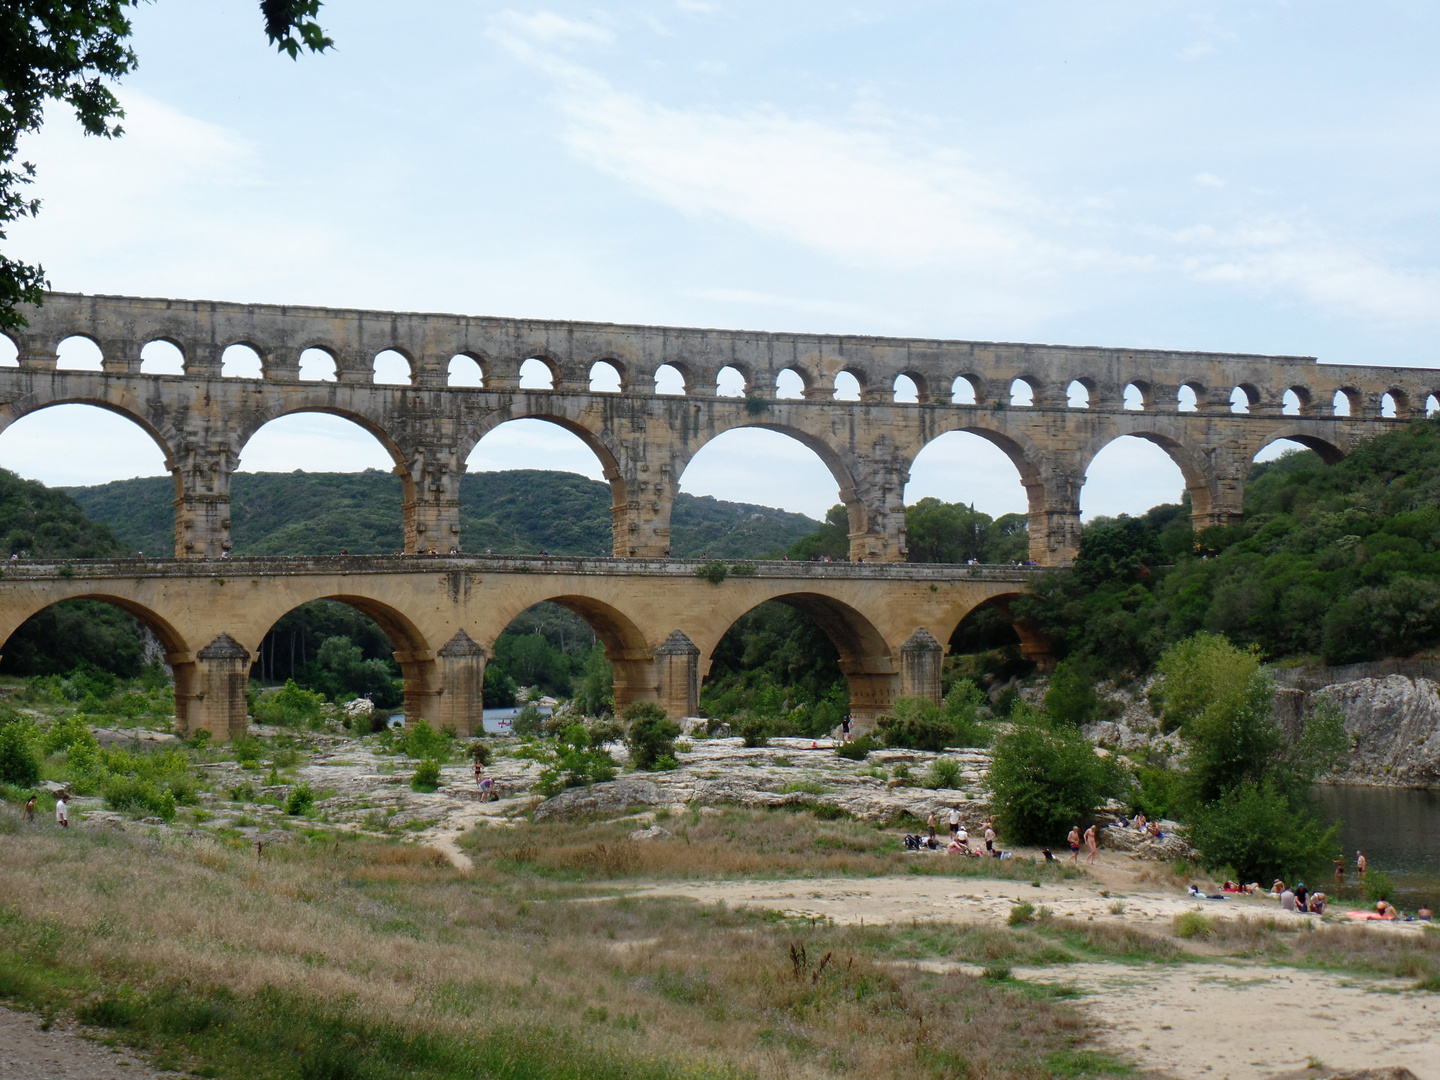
point(1256, 176)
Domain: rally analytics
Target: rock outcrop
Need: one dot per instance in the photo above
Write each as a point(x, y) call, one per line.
point(1394, 727)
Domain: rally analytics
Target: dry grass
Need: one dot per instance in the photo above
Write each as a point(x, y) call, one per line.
point(731, 844)
point(1343, 948)
point(372, 938)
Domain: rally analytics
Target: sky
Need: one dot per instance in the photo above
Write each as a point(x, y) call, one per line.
point(1255, 177)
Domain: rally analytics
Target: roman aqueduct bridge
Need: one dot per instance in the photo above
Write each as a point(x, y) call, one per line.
point(1051, 409)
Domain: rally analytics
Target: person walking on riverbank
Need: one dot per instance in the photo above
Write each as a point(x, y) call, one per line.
point(1074, 841)
point(1092, 844)
point(62, 810)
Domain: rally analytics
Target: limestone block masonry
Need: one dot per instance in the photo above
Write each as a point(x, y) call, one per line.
point(202, 419)
point(657, 619)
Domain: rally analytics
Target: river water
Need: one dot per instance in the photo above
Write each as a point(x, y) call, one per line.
point(1398, 829)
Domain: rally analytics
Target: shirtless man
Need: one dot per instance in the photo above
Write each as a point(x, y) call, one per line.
point(1360, 864)
point(1074, 841)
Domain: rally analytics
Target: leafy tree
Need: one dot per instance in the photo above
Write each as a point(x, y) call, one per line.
point(595, 696)
point(423, 741)
point(1046, 779)
point(831, 539)
point(66, 52)
point(1254, 829)
point(341, 671)
point(500, 688)
point(1071, 698)
point(1196, 673)
point(940, 532)
point(921, 724)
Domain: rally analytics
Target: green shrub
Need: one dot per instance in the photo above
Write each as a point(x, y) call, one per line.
point(753, 730)
point(858, 750)
point(300, 800)
point(1193, 924)
point(1046, 780)
point(247, 750)
point(921, 724)
point(1022, 914)
point(606, 730)
point(650, 735)
point(136, 795)
point(19, 761)
point(944, 773)
point(290, 706)
point(529, 721)
point(66, 731)
point(665, 763)
point(1156, 793)
point(576, 762)
point(427, 775)
point(420, 740)
point(1379, 886)
point(713, 572)
point(479, 751)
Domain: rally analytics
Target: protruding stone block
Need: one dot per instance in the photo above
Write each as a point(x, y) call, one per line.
point(217, 704)
point(921, 660)
point(460, 665)
point(677, 663)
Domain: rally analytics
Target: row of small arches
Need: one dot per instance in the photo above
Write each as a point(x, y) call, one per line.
point(536, 373)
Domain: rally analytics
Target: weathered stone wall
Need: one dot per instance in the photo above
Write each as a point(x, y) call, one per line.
point(203, 419)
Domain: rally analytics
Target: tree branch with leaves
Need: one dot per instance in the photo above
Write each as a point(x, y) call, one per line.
point(51, 50)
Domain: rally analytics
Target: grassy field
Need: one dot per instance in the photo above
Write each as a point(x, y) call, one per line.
point(366, 959)
point(727, 842)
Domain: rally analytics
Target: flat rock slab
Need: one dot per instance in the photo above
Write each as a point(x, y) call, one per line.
point(28, 1053)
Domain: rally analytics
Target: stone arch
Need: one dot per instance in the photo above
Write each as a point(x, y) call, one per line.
point(1394, 403)
point(966, 390)
point(1034, 646)
point(1328, 451)
point(849, 385)
point(1243, 398)
point(1347, 401)
point(1080, 393)
point(392, 367)
point(159, 363)
point(736, 371)
point(178, 651)
point(1142, 399)
point(606, 449)
point(866, 659)
point(549, 363)
point(16, 410)
point(318, 363)
point(90, 339)
point(465, 369)
point(1432, 403)
point(798, 372)
point(9, 351)
point(1197, 482)
point(836, 460)
point(1189, 397)
point(1296, 401)
point(412, 648)
point(918, 384)
point(609, 374)
point(631, 655)
point(242, 360)
point(1024, 392)
point(667, 375)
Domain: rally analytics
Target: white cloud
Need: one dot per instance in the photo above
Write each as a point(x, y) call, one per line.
point(1206, 179)
point(547, 27)
point(848, 192)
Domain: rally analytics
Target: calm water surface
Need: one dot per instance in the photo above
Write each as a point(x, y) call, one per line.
point(1399, 831)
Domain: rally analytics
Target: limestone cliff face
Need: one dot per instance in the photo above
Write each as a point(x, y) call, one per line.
point(1394, 724)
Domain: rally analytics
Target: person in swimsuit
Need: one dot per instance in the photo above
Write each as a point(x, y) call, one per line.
point(1092, 844)
point(1074, 841)
point(1360, 864)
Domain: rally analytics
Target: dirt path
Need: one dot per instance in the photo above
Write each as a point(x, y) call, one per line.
point(1194, 1020)
point(28, 1053)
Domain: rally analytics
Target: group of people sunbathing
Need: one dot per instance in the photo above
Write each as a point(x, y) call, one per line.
point(1147, 827)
